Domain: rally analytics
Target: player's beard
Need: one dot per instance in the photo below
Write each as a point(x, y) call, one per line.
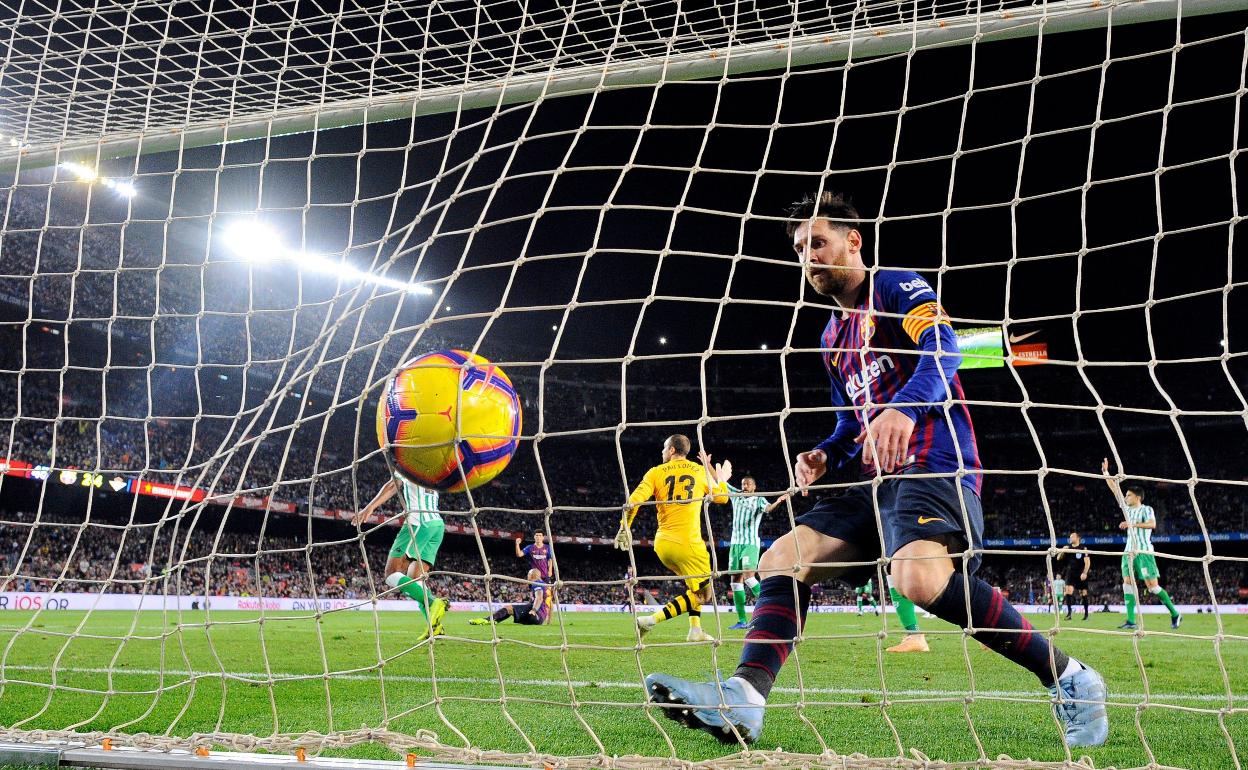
point(828, 281)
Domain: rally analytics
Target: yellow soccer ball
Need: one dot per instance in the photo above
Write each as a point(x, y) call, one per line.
point(450, 420)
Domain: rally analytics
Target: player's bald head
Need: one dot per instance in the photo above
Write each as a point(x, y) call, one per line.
point(678, 443)
point(535, 575)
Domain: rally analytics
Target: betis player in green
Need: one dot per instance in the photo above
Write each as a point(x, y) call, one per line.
point(415, 548)
point(748, 510)
point(866, 593)
point(1138, 561)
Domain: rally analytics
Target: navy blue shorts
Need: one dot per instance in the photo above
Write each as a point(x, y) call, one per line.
point(910, 509)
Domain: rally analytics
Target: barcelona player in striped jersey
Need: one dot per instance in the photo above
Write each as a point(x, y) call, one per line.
point(678, 486)
point(535, 612)
point(537, 554)
point(892, 359)
point(415, 548)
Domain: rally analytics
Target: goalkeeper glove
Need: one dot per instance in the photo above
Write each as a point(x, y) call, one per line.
point(624, 538)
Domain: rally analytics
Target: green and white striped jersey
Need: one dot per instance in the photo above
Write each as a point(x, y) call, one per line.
point(1139, 540)
point(421, 504)
point(747, 513)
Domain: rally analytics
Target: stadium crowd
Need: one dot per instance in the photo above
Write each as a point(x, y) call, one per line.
point(143, 357)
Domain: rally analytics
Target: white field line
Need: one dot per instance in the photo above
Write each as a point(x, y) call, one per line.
point(279, 677)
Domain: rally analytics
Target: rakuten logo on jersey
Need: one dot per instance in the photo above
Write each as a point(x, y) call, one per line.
point(859, 382)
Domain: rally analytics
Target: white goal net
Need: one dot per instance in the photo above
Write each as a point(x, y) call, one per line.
point(224, 226)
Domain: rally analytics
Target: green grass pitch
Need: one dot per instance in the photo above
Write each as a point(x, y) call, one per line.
point(498, 691)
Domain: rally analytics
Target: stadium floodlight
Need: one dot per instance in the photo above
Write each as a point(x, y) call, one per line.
point(121, 187)
point(88, 175)
point(83, 173)
point(257, 242)
point(254, 241)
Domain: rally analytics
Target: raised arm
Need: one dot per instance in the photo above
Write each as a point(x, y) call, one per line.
point(386, 492)
point(718, 488)
point(1111, 481)
point(519, 550)
point(778, 502)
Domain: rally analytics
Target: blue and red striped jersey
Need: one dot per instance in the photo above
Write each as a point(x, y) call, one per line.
point(895, 346)
point(538, 558)
point(543, 599)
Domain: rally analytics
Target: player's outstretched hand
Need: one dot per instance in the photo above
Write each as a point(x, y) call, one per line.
point(888, 441)
point(623, 538)
point(723, 471)
point(809, 468)
point(359, 518)
point(1105, 466)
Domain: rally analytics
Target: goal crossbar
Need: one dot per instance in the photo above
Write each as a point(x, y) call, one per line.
point(859, 42)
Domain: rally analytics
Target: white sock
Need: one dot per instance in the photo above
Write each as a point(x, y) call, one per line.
point(1072, 666)
point(750, 583)
point(752, 697)
point(393, 579)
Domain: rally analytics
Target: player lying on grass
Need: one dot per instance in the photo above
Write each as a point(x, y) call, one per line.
point(535, 612)
point(415, 548)
point(892, 359)
point(678, 486)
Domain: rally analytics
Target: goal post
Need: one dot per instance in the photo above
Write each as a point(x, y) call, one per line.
point(224, 229)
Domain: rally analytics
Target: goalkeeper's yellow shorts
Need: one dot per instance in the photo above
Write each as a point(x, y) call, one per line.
point(688, 559)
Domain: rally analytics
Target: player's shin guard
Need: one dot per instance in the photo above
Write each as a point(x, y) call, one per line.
point(1160, 593)
point(411, 587)
point(738, 600)
point(1128, 594)
point(905, 610)
point(1000, 626)
point(779, 615)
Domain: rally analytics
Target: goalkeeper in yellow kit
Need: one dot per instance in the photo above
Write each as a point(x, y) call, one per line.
point(678, 486)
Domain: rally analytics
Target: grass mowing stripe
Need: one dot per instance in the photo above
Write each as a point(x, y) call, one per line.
point(257, 677)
